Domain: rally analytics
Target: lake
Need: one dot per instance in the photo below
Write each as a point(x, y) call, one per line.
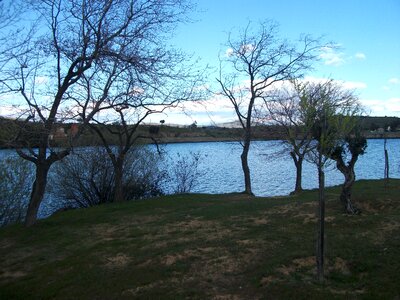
point(272, 169)
point(273, 172)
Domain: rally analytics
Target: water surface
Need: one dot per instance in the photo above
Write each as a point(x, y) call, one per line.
point(272, 169)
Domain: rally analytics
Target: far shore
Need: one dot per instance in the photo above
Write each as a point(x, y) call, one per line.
point(205, 139)
point(209, 139)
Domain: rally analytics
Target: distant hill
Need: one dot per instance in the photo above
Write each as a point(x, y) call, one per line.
point(374, 127)
point(374, 123)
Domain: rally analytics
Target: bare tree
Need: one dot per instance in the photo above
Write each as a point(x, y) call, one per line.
point(133, 94)
point(74, 40)
point(288, 108)
point(257, 61)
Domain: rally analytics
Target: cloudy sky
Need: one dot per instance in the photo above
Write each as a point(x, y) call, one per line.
point(366, 31)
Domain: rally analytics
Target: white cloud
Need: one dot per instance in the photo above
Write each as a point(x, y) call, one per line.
point(203, 115)
point(353, 84)
point(216, 103)
point(229, 52)
point(244, 49)
point(10, 111)
point(394, 80)
point(360, 56)
point(41, 80)
point(331, 57)
point(346, 84)
point(393, 104)
point(315, 79)
point(218, 109)
point(383, 107)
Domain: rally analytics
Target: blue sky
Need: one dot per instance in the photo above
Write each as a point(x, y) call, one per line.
point(367, 31)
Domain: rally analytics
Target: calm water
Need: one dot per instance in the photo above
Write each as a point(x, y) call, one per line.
point(273, 172)
point(272, 169)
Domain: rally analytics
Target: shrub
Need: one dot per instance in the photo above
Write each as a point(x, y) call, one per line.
point(185, 172)
point(86, 178)
point(16, 178)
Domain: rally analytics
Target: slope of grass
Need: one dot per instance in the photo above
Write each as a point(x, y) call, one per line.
point(208, 246)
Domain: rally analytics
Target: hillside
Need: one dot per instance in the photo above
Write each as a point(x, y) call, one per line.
point(373, 128)
point(208, 247)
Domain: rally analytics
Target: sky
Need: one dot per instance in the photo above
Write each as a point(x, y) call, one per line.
point(367, 57)
point(367, 33)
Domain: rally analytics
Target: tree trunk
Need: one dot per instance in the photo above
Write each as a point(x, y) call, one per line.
point(298, 162)
point(37, 194)
point(245, 167)
point(119, 192)
point(386, 164)
point(321, 222)
point(345, 196)
point(386, 174)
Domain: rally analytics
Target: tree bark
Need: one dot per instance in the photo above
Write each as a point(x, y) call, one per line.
point(321, 222)
point(298, 162)
point(349, 179)
point(37, 194)
point(245, 167)
point(119, 169)
point(386, 164)
point(345, 196)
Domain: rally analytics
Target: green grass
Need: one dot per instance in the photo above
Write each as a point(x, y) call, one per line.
point(209, 246)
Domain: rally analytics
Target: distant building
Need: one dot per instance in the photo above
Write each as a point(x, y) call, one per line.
point(59, 133)
point(74, 130)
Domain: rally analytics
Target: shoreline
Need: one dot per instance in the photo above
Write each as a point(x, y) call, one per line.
point(205, 139)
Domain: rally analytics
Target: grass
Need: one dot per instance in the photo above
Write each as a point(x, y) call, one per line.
point(209, 246)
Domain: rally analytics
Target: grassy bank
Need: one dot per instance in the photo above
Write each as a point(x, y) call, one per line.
point(208, 246)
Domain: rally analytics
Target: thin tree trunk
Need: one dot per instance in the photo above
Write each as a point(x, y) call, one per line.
point(386, 164)
point(37, 193)
point(321, 222)
point(245, 167)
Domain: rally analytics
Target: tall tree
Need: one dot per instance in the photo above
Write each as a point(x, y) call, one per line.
point(331, 108)
point(70, 40)
point(163, 84)
point(255, 61)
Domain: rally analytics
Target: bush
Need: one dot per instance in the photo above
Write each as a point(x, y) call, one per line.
point(185, 172)
point(16, 178)
point(143, 174)
point(86, 178)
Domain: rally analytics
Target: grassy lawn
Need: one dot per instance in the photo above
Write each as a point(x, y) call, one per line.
point(209, 246)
